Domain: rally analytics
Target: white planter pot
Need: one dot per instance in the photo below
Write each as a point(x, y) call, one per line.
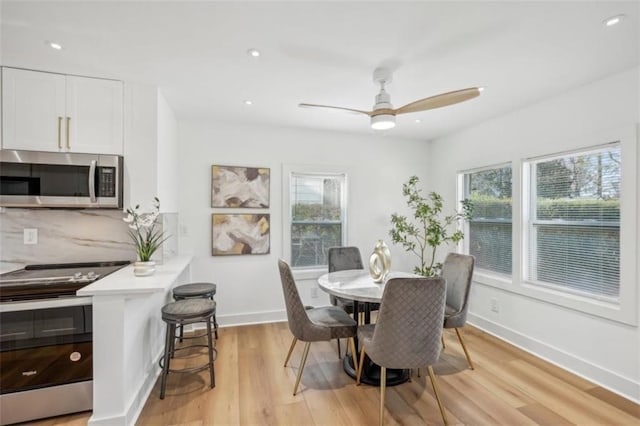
point(144, 269)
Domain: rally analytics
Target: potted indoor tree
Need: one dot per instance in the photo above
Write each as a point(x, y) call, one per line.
point(428, 229)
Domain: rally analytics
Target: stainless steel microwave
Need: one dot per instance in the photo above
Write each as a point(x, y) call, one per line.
point(51, 179)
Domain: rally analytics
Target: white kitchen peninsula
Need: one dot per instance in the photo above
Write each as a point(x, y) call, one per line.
point(128, 338)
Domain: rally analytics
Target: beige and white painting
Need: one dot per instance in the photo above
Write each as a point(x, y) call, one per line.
point(234, 234)
point(240, 187)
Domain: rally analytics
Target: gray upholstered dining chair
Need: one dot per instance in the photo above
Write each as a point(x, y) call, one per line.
point(408, 330)
point(340, 259)
point(458, 271)
point(315, 324)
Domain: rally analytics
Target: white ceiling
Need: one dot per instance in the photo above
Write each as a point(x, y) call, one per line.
point(325, 52)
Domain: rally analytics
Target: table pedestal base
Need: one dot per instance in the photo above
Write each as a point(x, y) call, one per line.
point(371, 372)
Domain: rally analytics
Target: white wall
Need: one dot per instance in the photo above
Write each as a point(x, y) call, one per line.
point(167, 156)
point(600, 349)
point(249, 288)
point(151, 158)
point(140, 143)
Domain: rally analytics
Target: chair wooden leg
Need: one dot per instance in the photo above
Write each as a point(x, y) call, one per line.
point(352, 343)
point(293, 345)
point(418, 371)
point(383, 388)
point(442, 338)
point(360, 364)
point(339, 350)
point(435, 391)
point(464, 348)
point(304, 359)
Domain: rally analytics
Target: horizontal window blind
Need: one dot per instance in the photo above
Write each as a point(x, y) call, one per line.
point(575, 223)
point(489, 235)
point(318, 217)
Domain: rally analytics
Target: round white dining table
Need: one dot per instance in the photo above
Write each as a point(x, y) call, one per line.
point(358, 285)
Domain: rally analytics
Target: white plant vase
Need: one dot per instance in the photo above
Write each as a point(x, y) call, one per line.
point(144, 269)
point(380, 262)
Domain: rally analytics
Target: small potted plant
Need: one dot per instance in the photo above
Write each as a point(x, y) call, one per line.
point(147, 238)
point(429, 230)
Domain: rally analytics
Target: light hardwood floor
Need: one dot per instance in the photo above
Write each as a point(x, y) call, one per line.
point(508, 387)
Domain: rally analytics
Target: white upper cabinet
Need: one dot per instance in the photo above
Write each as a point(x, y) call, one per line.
point(94, 112)
point(53, 112)
point(33, 110)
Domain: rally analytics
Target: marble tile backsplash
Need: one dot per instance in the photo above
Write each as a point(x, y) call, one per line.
point(170, 227)
point(72, 236)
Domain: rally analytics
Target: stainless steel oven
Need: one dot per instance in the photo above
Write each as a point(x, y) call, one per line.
point(46, 358)
point(53, 179)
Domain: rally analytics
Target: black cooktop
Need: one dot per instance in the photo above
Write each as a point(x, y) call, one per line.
point(53, 280)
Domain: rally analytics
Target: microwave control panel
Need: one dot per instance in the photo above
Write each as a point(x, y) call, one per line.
point(106, 182)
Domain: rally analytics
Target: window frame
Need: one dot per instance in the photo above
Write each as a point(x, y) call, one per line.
point(626, 311)
point(288, 170)
point(463, 179)
point(530, 251)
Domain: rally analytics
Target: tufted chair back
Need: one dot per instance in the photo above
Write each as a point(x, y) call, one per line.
point(407, 333)
point(296, 312)
point(458, 271)
point(342, 258)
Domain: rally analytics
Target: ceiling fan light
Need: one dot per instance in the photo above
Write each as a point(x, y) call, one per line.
point(383, 122)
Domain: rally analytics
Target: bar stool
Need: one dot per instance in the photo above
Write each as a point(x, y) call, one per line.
point(178, 314)
point(196, 290)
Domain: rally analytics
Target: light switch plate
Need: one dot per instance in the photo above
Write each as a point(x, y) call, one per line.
point(30, 236)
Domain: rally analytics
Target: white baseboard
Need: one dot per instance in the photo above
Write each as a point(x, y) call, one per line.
point(251, 318)
point(610, 380)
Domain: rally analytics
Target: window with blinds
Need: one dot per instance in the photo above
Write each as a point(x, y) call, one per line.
point(318, 217)
point(574, 225)
point(489, 232)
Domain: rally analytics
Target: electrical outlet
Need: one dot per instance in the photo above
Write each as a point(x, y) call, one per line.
point(495, 306)
point(30, 236)
point(314, 292)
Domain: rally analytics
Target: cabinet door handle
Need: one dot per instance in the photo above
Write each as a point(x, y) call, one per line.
point(59, 130)
point(68, 120)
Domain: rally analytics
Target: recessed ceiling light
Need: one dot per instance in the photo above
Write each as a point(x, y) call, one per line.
point(418, 120)
point(609, 22)
point(253, 52)
point(480, 89)
point(248, 102)
point(54, 45)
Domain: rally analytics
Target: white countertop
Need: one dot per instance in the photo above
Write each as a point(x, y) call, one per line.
point(10, 267)
point(124, 282)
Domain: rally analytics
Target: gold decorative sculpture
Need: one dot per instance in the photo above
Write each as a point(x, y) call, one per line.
point(380, 262)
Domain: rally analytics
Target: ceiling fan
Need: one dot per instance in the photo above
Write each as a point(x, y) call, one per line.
point(383, 115)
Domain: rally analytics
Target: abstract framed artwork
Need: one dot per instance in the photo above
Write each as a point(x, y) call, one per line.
point(237, 234)
point(240, 187)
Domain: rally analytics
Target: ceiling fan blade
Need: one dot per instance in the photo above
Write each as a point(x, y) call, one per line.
point(334, 107)
point(441, 100)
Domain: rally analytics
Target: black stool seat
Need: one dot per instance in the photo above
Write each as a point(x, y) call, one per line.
point(194, 290)
point(188, 309)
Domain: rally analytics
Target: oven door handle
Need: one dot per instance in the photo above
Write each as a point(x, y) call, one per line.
point(92, 181)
